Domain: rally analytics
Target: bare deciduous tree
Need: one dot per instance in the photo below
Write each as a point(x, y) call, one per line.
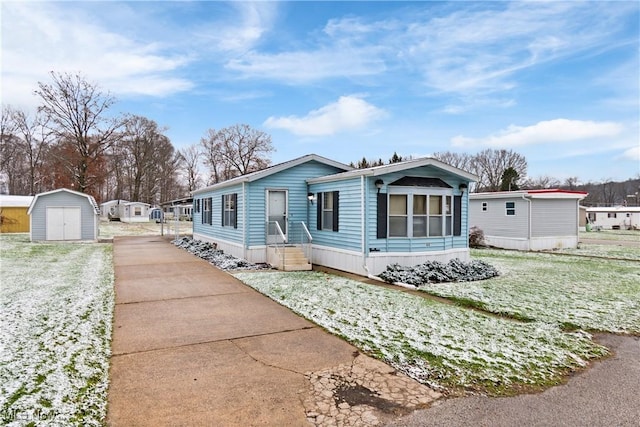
point(490, 164)
point(190, 157)
point(236, 150)
point(77, 112)
point(36, 138)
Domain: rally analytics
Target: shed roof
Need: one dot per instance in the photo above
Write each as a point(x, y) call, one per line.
point(396, 167)
point(547, 193)
point(11, 201)
point(91, 200)
point(254, 176)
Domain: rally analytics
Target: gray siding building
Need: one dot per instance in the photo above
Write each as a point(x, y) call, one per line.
point(62, 215)
point(529, 219)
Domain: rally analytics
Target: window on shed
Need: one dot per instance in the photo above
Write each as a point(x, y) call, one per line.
point(229, 210)
point(207, 214)
point(510, 208)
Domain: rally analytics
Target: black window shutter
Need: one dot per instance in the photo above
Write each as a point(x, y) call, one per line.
point(319, 217)
point(382, 216)
point(234, 200)
point(457, 215)
point(336, 198)
point(222, 216)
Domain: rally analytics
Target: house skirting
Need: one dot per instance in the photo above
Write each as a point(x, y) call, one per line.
point(376, 262)
point(533, 244)
point(135, 219)
point(253, 254)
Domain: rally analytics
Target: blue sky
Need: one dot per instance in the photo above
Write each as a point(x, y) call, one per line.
point(557, 82)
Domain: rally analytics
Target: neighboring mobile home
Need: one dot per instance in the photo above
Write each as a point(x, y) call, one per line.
point(64, 214)
point(529, 219)
point(13, 213)
point(614, 217)
point(125, 211)
point(358, 220)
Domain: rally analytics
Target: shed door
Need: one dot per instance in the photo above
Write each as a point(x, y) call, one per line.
point(63, 223)
point(276, 212)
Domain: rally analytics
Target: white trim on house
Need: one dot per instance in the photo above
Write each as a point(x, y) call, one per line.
point(395, 167)
point(254, 176)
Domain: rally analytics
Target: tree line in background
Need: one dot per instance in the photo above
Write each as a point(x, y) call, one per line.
point(73, 142)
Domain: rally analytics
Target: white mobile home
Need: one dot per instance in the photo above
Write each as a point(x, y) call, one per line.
point(615, 217)
point(530, 220)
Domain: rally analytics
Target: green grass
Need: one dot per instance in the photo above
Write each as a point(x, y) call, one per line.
point(56, 307)
point(442, 345)
point(571, 292)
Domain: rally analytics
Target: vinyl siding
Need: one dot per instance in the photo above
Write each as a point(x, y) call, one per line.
point(293, 180)
point(495, 222)
point(553, 217)
point(88, 217)
point(215, 230)
point(414, 244)
point(349, 234)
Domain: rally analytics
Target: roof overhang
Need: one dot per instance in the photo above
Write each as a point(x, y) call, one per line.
point(254, 176)
point(397, 167)
point(531, 194)
point(91, 200)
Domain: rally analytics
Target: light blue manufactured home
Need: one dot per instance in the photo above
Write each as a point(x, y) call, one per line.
point(355, 220)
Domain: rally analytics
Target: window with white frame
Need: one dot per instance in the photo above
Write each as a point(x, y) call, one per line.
point(229, 202)
point(207, 215)
point(398, 217)
point(420, 215)
point(327, 211)
point(137, 211)
point(611, 214)
point(510, 208)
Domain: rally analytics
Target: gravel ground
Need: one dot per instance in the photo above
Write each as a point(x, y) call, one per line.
point(606, 394)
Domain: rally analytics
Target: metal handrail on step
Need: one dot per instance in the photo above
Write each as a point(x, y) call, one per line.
point(279, 246)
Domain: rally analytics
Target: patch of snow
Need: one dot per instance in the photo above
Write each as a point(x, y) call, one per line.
point(208, 252)
point(56, 316)
point(438, 344)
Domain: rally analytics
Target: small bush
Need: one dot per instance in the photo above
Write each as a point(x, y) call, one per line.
point(438, 272)
point(476, 238)
point(209, 252)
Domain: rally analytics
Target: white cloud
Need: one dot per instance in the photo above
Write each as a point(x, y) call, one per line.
point(43, 37)
point(545, 132)
point(633, 153)
point(348, 113)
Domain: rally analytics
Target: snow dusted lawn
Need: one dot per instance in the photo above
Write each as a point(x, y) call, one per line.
point(587, 293)
point(56, 305)
point(438, 344)
point(628, 235)
point(110, 229)
point(605, 251)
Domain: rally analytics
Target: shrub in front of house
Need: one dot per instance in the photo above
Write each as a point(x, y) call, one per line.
point(476, 238)
point(209, 252)
point(438, 272)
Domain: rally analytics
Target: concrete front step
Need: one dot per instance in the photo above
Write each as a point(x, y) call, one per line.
point(294, 259)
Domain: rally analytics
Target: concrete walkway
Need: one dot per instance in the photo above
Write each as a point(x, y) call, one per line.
point(194, 346)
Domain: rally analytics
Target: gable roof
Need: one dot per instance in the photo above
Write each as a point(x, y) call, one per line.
point(547, 193)
point(396, 167)
point(254, 176)
point(91, 200)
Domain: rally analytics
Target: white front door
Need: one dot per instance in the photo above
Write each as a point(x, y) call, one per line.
point(276, 212)
point(63, 223)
